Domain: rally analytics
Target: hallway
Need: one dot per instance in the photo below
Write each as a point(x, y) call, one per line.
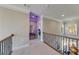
point(36, 48)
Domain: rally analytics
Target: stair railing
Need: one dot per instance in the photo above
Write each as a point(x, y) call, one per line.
point(6, 45)
point(63, 44)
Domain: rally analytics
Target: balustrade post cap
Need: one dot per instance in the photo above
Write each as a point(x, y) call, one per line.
point(12, 34)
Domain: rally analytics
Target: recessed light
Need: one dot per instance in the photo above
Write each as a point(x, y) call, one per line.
point(62, 15)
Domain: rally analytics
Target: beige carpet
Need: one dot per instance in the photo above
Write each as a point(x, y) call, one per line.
point(36, 48)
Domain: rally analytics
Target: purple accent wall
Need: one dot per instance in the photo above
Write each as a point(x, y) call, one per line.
point(33, 18)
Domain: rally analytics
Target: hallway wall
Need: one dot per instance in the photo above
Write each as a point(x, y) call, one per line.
point(51, 26)
point(17, 23)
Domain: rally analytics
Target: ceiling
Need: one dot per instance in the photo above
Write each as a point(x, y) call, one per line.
point(58, 11)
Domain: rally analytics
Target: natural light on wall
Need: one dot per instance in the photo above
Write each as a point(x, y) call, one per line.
point(71, 29)
point(62, 28)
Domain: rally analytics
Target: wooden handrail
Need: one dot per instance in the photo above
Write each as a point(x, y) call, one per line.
point(7, 37)
point(66, 36)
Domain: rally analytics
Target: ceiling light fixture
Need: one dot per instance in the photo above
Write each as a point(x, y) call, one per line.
point(62, 15)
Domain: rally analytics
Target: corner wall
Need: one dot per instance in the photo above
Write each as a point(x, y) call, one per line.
point(51, 26)
point(17, 23)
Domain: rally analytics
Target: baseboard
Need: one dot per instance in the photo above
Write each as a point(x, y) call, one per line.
point(17, 48)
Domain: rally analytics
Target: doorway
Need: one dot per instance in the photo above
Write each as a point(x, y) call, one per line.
point(35, 28)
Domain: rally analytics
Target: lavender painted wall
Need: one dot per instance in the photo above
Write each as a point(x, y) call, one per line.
point(33, 22)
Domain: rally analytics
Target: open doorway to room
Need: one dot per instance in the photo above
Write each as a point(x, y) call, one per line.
point(35, 26)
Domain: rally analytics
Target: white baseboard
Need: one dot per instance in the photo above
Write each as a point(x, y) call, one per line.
point(20, 47)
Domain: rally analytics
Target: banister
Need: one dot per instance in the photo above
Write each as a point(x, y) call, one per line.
point(66, 36)
point(62, 43)
point(11, 35)
point(6, 45)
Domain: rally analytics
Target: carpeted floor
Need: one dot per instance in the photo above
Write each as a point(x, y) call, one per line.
point(36, 48)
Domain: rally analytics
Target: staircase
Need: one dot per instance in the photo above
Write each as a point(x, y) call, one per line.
point(6, 45)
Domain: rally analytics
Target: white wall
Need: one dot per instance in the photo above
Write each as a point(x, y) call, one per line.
point(17, 23)
point(51, 26)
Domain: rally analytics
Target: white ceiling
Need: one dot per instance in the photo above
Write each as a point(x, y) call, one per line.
point(58, 11)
